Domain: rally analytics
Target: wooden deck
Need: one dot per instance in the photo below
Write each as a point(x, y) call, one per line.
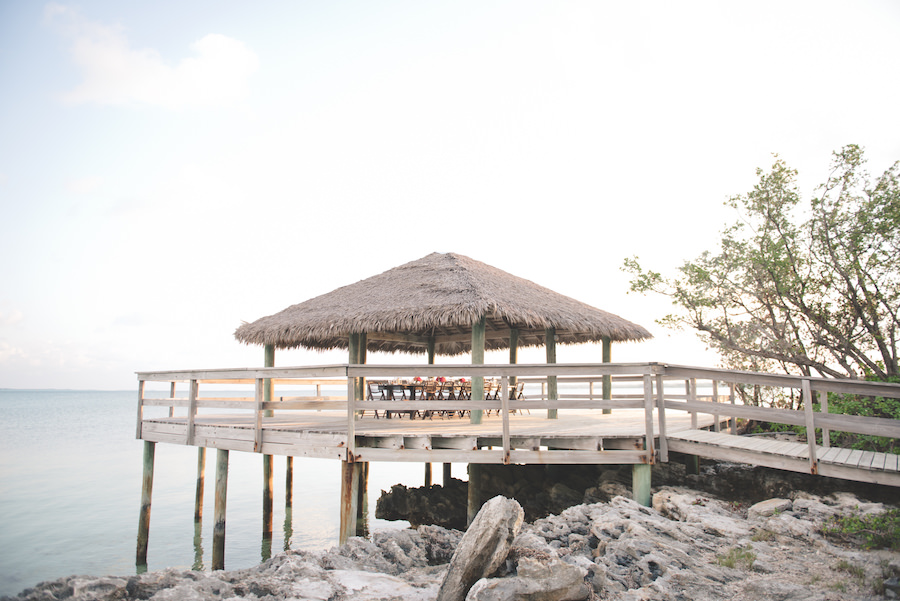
point(861, 466)
point(588, 436)
point(654, 408)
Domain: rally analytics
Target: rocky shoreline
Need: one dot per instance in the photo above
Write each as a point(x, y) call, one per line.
point(690, 545)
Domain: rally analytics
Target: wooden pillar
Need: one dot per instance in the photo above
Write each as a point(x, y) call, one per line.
point(607, 380)
point(474, 500)
point(146, 498)
point(218, 551)
point(201, 477)
point(448, 468)
point(349, 505)
point(362, 506)
point(640, 483)
point(289, 483)
point(552, 391)
point(477, 359)
point(268, 460)
point(692, 464)
point(430, 348)
point(513, 359)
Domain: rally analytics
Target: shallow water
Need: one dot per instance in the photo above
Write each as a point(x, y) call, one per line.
point(70, 490)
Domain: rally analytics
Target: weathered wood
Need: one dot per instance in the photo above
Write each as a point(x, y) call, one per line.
point(362, 506)
point(823, 408)
point(192, 411)
point(640, 483)
point(146, 502)
point(474, 492)
point(140, 409)
point(448, 474)
point(218, 550)
point(607, 379)
point(648, 419)
point(478, 333)
point(552, 384)
point(806, 391)
point(427, 475)
point(289, 483)
point(661, 414)
point(201, 478)
point(268, 495)
point(349, 502)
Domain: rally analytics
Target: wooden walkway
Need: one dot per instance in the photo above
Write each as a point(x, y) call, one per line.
point(849, 464)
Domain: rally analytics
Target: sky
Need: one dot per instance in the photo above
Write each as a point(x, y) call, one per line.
point(171, 169)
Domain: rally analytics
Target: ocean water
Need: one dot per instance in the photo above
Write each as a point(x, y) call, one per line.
point(70, 491)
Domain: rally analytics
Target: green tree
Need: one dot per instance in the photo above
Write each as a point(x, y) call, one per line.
point(800, 287)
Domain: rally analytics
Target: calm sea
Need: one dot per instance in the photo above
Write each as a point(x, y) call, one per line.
point(70, 489)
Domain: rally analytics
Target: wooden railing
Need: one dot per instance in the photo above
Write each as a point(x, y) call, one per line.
point(646, 386)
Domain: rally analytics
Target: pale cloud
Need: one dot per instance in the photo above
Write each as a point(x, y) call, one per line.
point(114, 73)
point(8, 318)
point(84, 185)
point(9, 352)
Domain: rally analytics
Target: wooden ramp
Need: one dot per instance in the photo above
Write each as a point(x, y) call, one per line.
point(848, 464)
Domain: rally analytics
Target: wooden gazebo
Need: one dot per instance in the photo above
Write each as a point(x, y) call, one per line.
point(442, 304)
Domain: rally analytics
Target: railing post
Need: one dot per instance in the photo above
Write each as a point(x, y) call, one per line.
point(504, 413)
point(661, 413)
point(806, 391)
point(717, 426)
point(648, 419)
point(172, 396)
point(691, 386)
point(552, 389)
point(259, 396)
point(140, 409)
point(823, 407)
point(192, 410)
point(732, 401)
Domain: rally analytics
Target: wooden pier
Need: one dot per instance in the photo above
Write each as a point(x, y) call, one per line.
point(604, 413)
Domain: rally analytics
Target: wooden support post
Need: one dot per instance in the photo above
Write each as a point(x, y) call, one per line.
point(427, 475)
point(268, 495)
point(201, 478)
point(194, 391)
point(474, 500)
point(430, 350)
point(448, 467)
point(289, 483)
point(640, 483)
point(268, 460)
point(362, 505)
point(140, 410)
point(349, 505)
point(477, 359)
point(692, 464)
point(552, 390)
point(146, 499)
point(218, 550)
point(607, 379)
point(717, 426)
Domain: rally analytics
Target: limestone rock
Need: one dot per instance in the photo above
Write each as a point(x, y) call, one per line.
point(483, 548)
point(769, 508)
point(535, 581)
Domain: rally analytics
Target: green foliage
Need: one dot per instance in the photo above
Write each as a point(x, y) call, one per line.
point(737, 557)
point(799, 287)
point(871, 531)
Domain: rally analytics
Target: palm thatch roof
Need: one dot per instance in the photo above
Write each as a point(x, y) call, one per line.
point(437, 298)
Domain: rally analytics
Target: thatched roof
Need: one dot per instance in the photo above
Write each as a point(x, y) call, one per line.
point(438, 296)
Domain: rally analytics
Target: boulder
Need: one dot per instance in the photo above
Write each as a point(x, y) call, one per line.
point(483, 548)
point(535, 580)
point(769, 508)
